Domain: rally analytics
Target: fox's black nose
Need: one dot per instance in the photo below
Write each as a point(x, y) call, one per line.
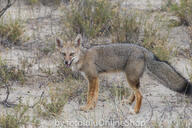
point(66, 62)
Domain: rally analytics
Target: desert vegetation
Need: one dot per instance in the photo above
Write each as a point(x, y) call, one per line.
point(38, 90)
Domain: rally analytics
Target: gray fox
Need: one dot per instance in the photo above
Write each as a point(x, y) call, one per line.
point(131, 59)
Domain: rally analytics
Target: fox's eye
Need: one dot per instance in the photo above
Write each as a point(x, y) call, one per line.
point(64, 54)
point(71, 54)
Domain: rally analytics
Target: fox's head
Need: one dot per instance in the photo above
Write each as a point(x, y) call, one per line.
point(70, 50)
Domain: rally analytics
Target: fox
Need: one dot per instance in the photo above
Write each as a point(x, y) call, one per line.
point(129, 58)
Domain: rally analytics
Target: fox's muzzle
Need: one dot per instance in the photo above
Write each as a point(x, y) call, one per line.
point(68, 63)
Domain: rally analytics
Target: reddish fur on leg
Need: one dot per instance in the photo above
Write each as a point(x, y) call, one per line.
point(138, 101)
point(92, 95)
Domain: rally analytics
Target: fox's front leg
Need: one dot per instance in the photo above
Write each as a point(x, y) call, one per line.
point(92, 95)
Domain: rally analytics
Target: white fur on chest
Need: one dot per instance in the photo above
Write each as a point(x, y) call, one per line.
point(75, 67)
point(83, 74)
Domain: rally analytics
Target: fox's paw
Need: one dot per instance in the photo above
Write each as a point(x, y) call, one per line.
point(132, 112)
point(86, 107)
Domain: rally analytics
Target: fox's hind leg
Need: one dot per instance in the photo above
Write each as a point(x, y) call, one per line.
point(92, 96)
point(137, 95)
point(138, 101)
point(131, 98)
point(134, 71)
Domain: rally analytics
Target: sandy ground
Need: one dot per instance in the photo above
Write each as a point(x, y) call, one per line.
point(160, 105)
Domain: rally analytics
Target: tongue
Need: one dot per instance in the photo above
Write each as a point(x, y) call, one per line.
point(68, 65)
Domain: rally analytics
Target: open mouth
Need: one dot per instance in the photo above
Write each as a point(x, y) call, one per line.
point(68, 65)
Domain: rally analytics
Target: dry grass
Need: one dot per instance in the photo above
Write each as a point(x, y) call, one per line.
point(90, 17)
point(17, 118)
point(183, 11)
point(119, 92)
point(125, 26)
point(8, 74)
point(156, 43)
point(12, 31)
point(100, 18)
point(59, 95)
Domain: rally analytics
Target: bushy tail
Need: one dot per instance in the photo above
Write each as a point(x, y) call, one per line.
point(169, 77)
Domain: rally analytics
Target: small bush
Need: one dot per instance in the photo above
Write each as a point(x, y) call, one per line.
point(98, 18)
point(90, 17)
point(155, 43)
point(12, 31)
point(16, 119)
point(10, 74)
point(183, 11)
point(125, 28)
point(60, 94)
point(53, 107)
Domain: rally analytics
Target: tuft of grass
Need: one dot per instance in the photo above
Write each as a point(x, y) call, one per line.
point(17, 118)
point(51, 109)
point(10, 121)
point(155, 43)
point(125, 27)
point(119, 92)
point(47, 50)
point(12, 31)
point(59, 95)
point(92, 18)
point(183, 11)
point(32, 2)
point(10, 74)
point(53, 106)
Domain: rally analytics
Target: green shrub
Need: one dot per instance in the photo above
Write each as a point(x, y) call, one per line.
point(125, 27)
point(92, 18)
point(59, 94)
point(54, 107)
point(183, 11)
point(155, 43)
point(12, 31)
point(16, 119)
point(10, 74)
point(51, 109)
point(98, 18)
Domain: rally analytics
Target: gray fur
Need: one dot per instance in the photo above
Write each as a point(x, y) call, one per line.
point(126, 58)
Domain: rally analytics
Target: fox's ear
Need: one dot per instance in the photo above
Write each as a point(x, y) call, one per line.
point(78, 40)
point(59, 43)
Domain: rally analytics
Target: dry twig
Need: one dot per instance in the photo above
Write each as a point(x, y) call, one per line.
point(9, 4)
